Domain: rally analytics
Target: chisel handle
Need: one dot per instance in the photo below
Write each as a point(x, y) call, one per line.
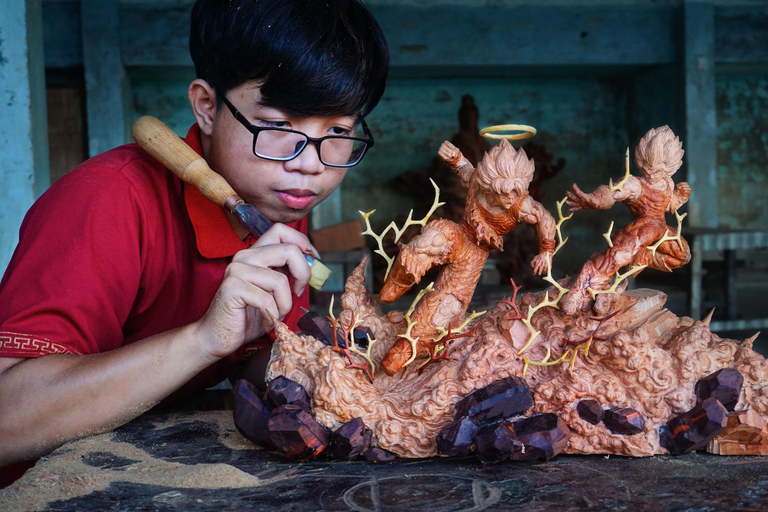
point(154, 137)
point(166, 147)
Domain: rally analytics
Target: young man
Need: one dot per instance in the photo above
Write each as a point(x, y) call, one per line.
point(127, 284)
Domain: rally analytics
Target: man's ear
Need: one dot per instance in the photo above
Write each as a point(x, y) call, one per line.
point(202, 99)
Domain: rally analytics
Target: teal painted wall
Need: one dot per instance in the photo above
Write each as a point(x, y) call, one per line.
point(742, 151)
point(24, 166)
point(581, 120)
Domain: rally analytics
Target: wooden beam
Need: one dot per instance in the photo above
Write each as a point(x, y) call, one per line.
point(24, 173)
point(447, 35)
point(700, 113)
point(105, 80)
point(456, 36)
point(741, 35)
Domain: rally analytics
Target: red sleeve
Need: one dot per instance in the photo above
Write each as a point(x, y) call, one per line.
point(76, 271)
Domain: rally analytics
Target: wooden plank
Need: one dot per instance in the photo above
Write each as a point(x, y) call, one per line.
point(700, 113)
point(105, 79)
point(23, 125)
point(66, 137)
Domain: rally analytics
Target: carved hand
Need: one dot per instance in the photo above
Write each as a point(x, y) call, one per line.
point(540, 263)
point(578, 200)
point(450, 154)
point(683, 189)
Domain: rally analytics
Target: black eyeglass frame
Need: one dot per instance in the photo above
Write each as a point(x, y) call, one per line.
point(255, 130)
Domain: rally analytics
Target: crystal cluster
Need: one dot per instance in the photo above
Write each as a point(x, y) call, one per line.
point(619, 420)
point(282, 420)
point(716, 394)
point(488, 422)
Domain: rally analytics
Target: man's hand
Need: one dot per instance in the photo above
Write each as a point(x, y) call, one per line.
point(256, 290)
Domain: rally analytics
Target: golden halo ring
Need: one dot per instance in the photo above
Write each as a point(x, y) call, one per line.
point(526, 132)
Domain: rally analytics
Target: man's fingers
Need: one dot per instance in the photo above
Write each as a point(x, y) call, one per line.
point(278, 256)
point(268, 321)
point(282, 234)
point(260, 287)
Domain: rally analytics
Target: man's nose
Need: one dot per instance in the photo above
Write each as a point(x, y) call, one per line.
point(308, 161)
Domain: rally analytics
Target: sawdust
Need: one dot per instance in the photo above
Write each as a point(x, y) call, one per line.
point(64, 475)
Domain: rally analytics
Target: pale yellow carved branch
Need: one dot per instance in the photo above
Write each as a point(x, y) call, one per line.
point(407, 335)
point(583, 347)
point(561, 290)
point(546, 301)
point(607, 235)
point(617, 280)
point(620, 184)
point(666, 237)
point(330, 309)
point(560, 220)
point(379, 238)
point(398, 231)
point(365, 355)
point(545, 360)
point(444, 332)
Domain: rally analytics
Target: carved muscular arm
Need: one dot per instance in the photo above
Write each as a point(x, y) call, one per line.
point(603, 198)
point(432, 247)
point(453, 158)
point(533, 213)
point(680, 196)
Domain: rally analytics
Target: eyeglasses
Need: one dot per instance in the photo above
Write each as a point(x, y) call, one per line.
point(283, 144)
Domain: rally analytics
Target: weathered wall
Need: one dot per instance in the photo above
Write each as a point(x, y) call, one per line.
point(24, 173)
point(742, 151)
point(587, 119)
point(579, 119)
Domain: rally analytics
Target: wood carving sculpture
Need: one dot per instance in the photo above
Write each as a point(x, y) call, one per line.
point(497, 201)
point(635, 379)
point(658, 156)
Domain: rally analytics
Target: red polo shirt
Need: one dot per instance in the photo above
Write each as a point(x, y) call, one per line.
point(116, 251)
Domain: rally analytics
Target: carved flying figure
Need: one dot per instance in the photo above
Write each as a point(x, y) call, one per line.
point(658, 156)
point(497, 201)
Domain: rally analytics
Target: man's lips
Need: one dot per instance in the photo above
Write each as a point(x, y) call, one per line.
point(298, 199)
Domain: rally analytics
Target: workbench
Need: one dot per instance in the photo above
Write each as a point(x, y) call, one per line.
point(197, 461)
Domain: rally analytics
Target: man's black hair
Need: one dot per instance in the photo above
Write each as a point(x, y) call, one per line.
point(310, 57)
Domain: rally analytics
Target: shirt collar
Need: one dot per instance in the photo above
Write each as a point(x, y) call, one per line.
point(214, 235)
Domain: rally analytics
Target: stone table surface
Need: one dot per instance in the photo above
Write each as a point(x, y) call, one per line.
point(197, 461)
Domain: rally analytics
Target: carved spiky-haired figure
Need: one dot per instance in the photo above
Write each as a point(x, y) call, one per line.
point(660, 150)
point(497, 201)
point(504, 171)
point(658, 155)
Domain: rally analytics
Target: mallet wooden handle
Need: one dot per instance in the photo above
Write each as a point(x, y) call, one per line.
point(166, 147)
